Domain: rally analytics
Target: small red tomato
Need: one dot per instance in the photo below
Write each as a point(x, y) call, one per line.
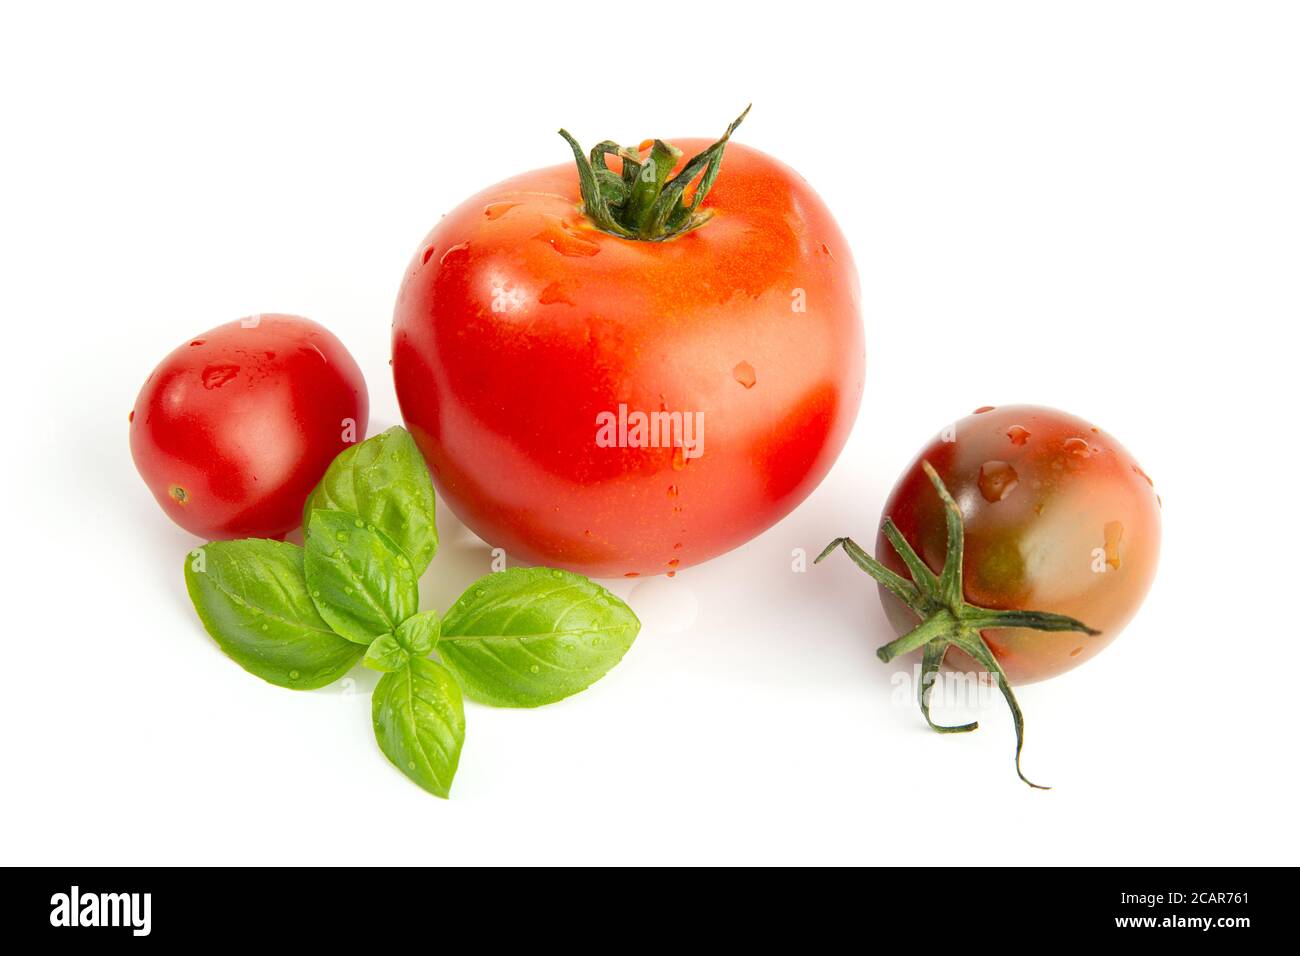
point(234, 428)
point(1058, 518)
point(619, 377)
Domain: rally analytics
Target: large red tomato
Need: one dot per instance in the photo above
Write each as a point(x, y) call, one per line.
point(528, 339)
point(234, 428)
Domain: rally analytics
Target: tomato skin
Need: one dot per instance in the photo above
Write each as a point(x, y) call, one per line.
point(243, 420)
point(504, 403)
point(1079, 501)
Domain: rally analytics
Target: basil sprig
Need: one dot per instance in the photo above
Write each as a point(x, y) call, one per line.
point(302, 618)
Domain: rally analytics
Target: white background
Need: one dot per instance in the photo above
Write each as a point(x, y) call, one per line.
point(1093, 206)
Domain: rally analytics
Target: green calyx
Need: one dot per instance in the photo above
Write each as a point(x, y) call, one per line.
point(641, 202)
point(946, 619)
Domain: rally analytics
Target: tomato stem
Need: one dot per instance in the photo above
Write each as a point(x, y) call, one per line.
point(640, 201)
point(932, 658)
point(947, 620)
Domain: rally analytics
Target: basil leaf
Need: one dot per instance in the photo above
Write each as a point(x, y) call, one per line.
point(252, 598)
point(414, 638)
point(362, 584)
point(419, 723)
point(531, 636)
point(384, 481)
point(385, 654)
point(418, 635)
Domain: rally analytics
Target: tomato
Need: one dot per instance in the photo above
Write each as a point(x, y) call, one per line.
point(234, 428)
point(527, 340)
point(1019, 542)
point(1058, 517)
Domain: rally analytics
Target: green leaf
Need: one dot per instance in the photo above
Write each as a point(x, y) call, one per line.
point(532, 636)
point(384, 481)
point(385, 654)
point(252, 598)
point(362, 583)
point(415, 637)
point(418, 635)
point(419, 723)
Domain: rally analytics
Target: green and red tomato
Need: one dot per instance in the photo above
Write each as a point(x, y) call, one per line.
point(1019, 543)
point(1058, 517)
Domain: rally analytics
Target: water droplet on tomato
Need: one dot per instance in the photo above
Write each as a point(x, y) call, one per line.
point(428, 254)
point(632, 574)
point(744, 374)
point(214, 376)
point(984, 408)
point(552, 294)
point(196, 342)
point(566, 242)
point(997, 479)
point(294, 675)
point(672, 491)
point(674, 562)
point(1113, 533)
point(679, 458)
point(1018, 434)
point(677, 546)
point(496, 210)
point(1144, 475)
point(130, 417)
point(1077, 447)
point(1076, 652)
point(452, 250)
